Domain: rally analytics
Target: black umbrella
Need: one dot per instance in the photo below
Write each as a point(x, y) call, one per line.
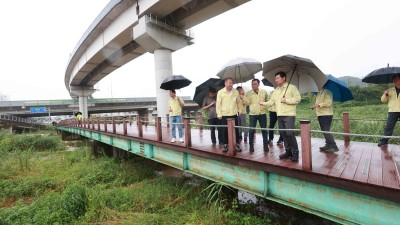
point(382, 75)
point(175, 82)
point(266, 82)
point(78, 113)
point(202, 89)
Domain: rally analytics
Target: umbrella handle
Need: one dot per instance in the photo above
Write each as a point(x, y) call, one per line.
point(295, 67)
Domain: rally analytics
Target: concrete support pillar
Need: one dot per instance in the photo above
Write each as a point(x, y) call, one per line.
point(83, 107)
point(163, 69)
point(161, 39)
point(82, 92)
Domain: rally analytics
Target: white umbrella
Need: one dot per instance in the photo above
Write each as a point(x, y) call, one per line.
point(240, 69)
point(301, 72)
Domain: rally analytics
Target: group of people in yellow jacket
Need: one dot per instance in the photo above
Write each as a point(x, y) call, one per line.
point(230, 103)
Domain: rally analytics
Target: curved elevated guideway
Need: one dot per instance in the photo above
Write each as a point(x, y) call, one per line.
point(127, 29)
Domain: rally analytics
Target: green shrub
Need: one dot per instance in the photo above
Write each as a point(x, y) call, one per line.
point(54, 208)
point(26, 187)
point(35, 142)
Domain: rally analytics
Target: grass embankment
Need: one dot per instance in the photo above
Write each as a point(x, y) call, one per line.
point(42, 183)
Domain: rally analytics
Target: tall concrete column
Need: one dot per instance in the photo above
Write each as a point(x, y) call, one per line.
point(161, 39)
point(163, 69)
point(82, 92)
point(83, 107)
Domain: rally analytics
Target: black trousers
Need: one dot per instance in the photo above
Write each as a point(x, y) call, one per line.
point(225, 129)
point(391, 121)
point(289, 140)
point(325, 123)
point(215, 121)
point(273, 118)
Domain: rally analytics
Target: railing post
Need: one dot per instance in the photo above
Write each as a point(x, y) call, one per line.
point(84, 123)
point(346, 126)
point(113, 126)
point(306, 159)
point(155, 121)
point(125, 127)
point(200, 121)
point(231, 137)
point(159, 128)
point(146, 120)
point(167, 120)
point(140, 127)
point(188, 133)
point(98, 123)
point(105, 124)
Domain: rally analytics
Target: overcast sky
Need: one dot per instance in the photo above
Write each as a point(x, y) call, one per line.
point(343, 38)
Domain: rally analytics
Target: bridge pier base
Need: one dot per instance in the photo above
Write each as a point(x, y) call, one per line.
point(83, 92)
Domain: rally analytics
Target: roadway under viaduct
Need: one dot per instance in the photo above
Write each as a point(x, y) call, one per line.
point(142, 106)
point(127, 29)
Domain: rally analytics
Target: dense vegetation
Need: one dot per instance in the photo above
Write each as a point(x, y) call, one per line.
point(42, 183)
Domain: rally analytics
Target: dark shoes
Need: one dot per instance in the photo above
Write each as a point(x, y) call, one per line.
point(324, 148)
point(286, 155)
point(332, 149)
point(329, 149)
point(290, 154)
point(382, 144)
point(238, 148)
point(251, 149)
point(295, 155)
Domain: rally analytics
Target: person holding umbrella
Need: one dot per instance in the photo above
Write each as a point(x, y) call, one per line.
point(391, 96)
point(324, 108)
point(175, 105)
point(228, 106)
point(285, 98)
point(209, 105)
point(257, 112)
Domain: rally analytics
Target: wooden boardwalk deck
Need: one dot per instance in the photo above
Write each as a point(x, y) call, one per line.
point(358, 166)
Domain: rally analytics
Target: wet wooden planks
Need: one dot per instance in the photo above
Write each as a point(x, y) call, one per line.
point(356, 161)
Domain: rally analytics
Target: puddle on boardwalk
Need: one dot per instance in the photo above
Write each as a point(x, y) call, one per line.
point(278, 213)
